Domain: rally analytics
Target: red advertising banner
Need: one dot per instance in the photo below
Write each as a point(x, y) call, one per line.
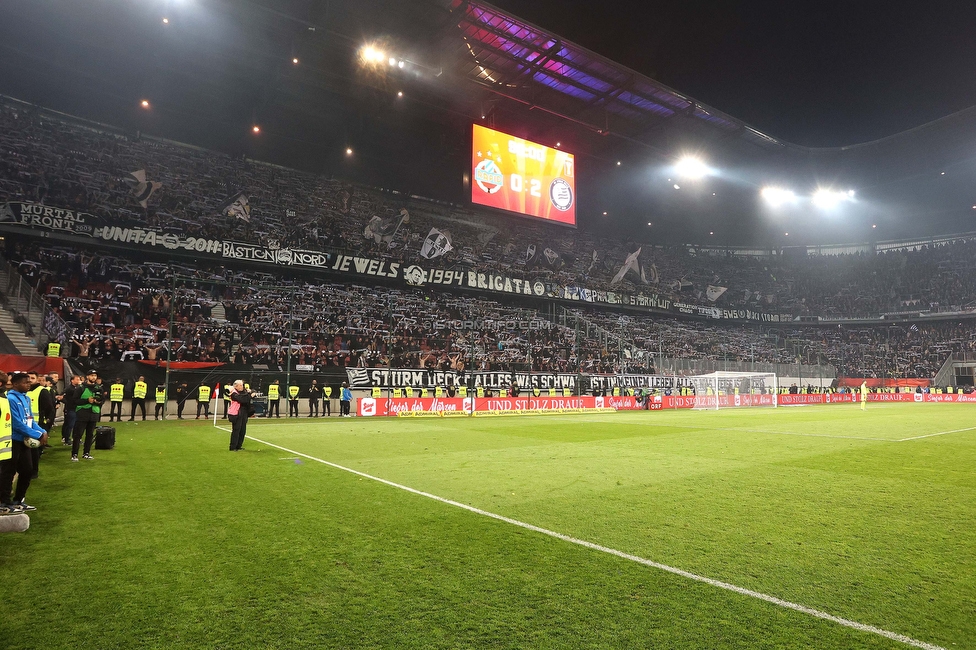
point(369, 407)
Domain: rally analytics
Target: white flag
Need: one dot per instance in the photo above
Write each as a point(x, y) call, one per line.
point(238, 207)
point(713, 292)
point(437, 243)
point(140, 188)
point(630, 264)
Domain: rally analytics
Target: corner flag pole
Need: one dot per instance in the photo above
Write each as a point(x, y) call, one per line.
point(214, 398)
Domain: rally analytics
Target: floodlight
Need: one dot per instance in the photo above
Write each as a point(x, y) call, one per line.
point(369, 54)
point(256, 128)
point(827, 198)
point(166, 22)
point(392, 61)
point(400, 93)
point(295, 60)
point(777, 196)
point(399, 64)
point(144, 103)
point(348, 151)
point(677, 187)
point(691, 167)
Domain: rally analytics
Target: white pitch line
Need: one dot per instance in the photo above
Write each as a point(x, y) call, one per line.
point(940, 433)
point(862, 627)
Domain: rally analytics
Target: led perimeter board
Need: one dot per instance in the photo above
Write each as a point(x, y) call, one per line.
point(520, 176)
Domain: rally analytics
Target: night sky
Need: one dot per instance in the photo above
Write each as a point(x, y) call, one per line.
point(819, 74)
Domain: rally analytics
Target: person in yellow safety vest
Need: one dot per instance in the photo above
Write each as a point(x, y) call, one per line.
point(408, 391)
point(424, 393)
point(536, 391)
point(293, 392)
point(6, 424)
point(397, 393)
point(139, 398)
point(225, 392)
point(502, 392)
point(54, 349)
point(327, 401)
point(864, 395)
point(462, 391)
point(552, 391)
point(203, 401)
point(274, 400)
point(479, 391)
point(376, 392)
point(160, 399)
point(34, 393)
point(567, 392)
point(438, 392)
point(115, 394)
point(616, 391)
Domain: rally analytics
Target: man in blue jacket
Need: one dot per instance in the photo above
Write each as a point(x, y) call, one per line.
point(21, 463)
point(345, 400)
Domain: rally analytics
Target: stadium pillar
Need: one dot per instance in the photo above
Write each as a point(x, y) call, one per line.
point(169, 337)
point(291, 324)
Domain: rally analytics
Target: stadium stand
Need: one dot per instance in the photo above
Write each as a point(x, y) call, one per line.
point(120, 305)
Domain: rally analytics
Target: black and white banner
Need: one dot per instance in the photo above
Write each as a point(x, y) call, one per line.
point(35, 215)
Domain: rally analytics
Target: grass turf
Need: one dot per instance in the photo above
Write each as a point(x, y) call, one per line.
point(171, 541)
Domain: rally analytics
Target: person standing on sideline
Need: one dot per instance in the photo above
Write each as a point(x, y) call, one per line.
point(345, 399)
point(21, 461)
point(70, 415)
point(88, 397)
point(47, 411)
point(238, 413)
point(160, 400)
point(864, 395)
point(203, 401)
point(116, 391)
point(327, 401)
point(182, 394)
point(314, 395)
point(274, 398)
point(293, 401)
point(139, 392)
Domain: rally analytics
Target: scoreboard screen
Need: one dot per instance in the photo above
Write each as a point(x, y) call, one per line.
point(520, 176)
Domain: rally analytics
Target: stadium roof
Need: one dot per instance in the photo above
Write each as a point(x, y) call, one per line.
point(523, 62)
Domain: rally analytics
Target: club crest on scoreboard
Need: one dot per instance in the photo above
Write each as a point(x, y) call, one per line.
point(561, 195)
point(488, 176)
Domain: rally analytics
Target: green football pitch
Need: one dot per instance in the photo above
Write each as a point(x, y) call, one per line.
point(804, 527)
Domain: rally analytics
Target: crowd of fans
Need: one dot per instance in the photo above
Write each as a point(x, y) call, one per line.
point(119, 308)
point(63, 163)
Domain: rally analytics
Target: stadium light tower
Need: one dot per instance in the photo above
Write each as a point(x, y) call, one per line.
point(777, 196)
point(692, 168)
